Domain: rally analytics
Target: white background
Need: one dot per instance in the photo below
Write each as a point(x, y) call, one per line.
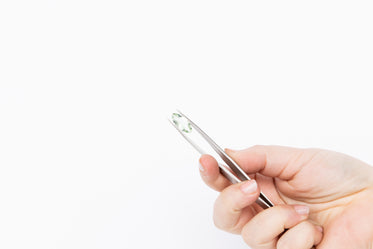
point(87, 157)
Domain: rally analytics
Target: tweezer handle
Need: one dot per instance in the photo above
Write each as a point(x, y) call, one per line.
point(232, 171)
point(263, 201)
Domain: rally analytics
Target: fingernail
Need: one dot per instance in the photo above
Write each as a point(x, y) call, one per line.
point(320, 228)
point(200, 167)
point(302, 210)
point(249, 187)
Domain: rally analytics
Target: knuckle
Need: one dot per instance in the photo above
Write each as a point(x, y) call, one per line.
point(283, 244)
point(309, 227)
point(218, 215)
point(218, 224)
point(249, 236)
point(304, 230)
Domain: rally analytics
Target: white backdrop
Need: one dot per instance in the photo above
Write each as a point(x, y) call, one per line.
point(87, 157)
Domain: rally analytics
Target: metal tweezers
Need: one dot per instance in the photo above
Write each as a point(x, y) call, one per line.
point(232, 172)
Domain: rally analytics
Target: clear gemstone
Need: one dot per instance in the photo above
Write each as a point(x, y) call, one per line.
point(181, 123)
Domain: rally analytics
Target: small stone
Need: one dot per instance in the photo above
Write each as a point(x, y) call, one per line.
point(181, 123)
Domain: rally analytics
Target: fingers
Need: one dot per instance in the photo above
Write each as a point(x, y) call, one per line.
point(210, 173)
point(302, 236)
point(263, 229)
point(272, 161)
point(232, 208)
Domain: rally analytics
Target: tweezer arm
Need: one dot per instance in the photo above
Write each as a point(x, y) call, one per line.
point(224, 170)
point(263, 201)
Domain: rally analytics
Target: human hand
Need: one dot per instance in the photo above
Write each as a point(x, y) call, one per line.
point(322, 197)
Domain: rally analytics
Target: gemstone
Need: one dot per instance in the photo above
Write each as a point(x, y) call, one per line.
point(181, 123)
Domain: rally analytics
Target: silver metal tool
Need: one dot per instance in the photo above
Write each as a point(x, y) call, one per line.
point(232, 172)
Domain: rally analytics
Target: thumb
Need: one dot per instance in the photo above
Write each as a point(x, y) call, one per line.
point(273, 161)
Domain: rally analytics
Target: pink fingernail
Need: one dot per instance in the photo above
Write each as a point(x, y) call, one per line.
point(249, 187)
point(320, 228)
point(302, 210)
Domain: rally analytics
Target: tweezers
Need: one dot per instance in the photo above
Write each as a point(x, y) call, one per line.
point(232, 172)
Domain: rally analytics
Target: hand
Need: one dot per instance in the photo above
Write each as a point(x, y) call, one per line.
point(323, 198)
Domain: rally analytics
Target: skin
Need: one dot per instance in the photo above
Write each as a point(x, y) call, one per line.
point(337, 190)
